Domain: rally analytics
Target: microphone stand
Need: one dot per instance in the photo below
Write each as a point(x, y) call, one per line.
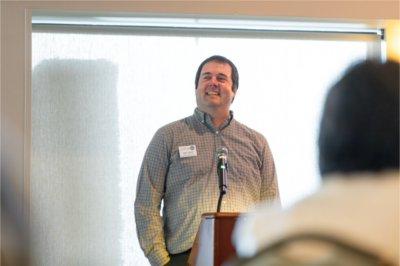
point(222, 177)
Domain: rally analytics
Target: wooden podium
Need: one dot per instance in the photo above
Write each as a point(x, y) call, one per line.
point(213, 245)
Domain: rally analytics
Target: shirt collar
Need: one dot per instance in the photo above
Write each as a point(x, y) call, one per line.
point(205, 119)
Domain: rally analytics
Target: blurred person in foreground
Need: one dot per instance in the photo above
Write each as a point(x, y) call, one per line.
point(14, 226)
point(354, 218)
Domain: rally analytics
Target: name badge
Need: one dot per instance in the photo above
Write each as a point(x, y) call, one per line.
point(187, 151)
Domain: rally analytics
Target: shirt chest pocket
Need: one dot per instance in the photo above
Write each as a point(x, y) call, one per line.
point(246, 167)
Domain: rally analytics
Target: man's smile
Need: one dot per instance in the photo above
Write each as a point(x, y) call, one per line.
point(212, 93)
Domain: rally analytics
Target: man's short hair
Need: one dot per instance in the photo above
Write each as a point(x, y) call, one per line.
point(220, 59)
point(359, 129)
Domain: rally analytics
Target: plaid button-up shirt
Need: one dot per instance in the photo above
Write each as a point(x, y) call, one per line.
point(188, 183)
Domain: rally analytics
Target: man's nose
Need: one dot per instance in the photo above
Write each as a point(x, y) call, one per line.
point(214, 80)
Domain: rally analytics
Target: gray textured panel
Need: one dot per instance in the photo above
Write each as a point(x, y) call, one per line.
point(75, 205)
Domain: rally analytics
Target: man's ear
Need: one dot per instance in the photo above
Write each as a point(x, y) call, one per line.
point(234, 94)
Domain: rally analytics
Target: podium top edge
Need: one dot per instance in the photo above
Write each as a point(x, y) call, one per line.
point(211, 215)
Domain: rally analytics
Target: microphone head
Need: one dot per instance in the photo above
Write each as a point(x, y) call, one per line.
point(222, 152)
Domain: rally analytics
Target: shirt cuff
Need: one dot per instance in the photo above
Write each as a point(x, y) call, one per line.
point(158, 257)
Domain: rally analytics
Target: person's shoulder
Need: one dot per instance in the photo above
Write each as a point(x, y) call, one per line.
point(175, 126)
point(246, 130)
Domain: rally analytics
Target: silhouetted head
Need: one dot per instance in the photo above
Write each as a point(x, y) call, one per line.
point(359, 129)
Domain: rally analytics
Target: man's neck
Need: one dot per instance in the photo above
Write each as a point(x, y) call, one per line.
point(219, 120)
point(218, 116)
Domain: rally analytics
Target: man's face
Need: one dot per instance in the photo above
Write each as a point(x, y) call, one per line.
point(214, 89)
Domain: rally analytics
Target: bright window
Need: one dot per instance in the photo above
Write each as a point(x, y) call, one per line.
point(99, 96)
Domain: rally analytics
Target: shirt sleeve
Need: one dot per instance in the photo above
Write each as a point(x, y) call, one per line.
point(149, 194)
point(269, 182)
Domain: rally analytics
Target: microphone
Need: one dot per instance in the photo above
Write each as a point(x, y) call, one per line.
point(222, 168)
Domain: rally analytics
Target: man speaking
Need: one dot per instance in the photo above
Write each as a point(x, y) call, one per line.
point(180, 168)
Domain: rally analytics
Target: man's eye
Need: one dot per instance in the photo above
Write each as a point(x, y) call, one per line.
point(222, 79)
